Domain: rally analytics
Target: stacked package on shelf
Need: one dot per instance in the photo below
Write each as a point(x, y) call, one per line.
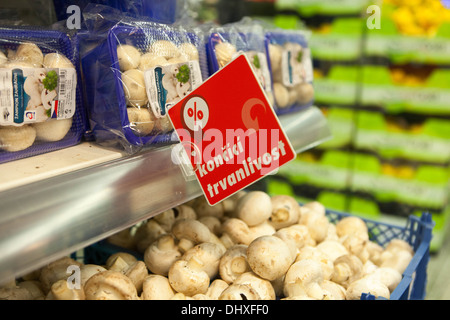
point(324, 172)
point(402, 135)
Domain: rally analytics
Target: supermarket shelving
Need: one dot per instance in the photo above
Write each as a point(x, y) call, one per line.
point(63, 201)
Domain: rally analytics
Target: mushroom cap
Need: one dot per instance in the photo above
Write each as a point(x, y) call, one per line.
point(304, 92)
point(128, 57)
point(189, 51)
point(285, 211)
point(161, 254)
point(216, 288)
point(192, 230)
point(333, 249)
point(209, 254)
point(347, 269)
point(254, 208)
point(29, 53)
point(141, 120)
point(128, 258)
point(333, 290)
point(304, 277)
point(156, 287)
point(313, 253)
point(149, 60)
point(146, 233)
point(239, 292)
point(55, 271)
point(52, 130)
point(134, 88)
point(224, 52)
point(352, 225)
point(187, 277)
point(366, 285)
point(164, 48)
point(61, 291)
point(269, 257)
point(233, 263)
point(281, 95)
point(388, 276)
point(14, 138)
point(137, 272)
point(57, 60)
point(262, 286)
point(300, 233)
point(110, 285)
point(88, 270)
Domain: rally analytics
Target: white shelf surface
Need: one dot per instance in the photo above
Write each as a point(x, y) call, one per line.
point(57, 203)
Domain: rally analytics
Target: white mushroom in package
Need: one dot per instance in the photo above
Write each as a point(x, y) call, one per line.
point(291, 67)
point(42, 101)
point(274, 252)
point(155, 77)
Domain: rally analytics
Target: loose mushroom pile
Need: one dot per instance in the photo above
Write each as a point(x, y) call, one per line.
point(248, 247)
point(287, 96)
point(133, 62)
point(17, 138)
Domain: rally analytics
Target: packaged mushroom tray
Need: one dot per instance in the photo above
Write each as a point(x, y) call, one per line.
point(40, 101)
point(133, 74)
point(291, 69)
point(248, 247)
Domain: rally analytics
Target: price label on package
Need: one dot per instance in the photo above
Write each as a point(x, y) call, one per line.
point(29, 95)
point(229, 132)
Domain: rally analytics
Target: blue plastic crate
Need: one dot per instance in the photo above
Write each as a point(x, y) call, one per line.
point(48, 41)
point(417, 232)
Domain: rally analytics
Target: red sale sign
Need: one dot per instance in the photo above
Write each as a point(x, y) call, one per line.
point(230, 132)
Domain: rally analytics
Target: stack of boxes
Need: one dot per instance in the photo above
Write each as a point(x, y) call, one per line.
point(383, 86)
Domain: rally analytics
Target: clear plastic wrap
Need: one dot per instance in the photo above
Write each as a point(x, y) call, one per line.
point(226, 42)
point(162, 11)
point(291, 67)
point(133, 71)
point(41, 104)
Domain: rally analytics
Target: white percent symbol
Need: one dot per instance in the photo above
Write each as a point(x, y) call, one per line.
point(196, 113)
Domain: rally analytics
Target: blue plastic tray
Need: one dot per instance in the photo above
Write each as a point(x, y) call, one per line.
point(48, 41)
point(417, 232)
point(104, 88)
point(280, 38)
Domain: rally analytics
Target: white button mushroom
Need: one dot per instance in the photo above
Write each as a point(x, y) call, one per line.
point(262, 286)
point(167, 218)
point(224, 52)
point(333, 249)
point(137, 272)
point(164, 48)
point(254, 208)
point(127, 259)
point(233, 263)
point(146, 233)
point(128, 56)
point(141, 120)
point(304, 277)
point(29, 53)
point(367, 285)
point(203, 208)
point(134, 88)
point(281, 95)
point(300, 233)
point(190, 231)
point(388, 276)
point(188, 51)
point(275, 53)
point(352, 225)
point(161, 254)
point(61, 291)
point(316, 222)
point(34, 287)
point(209, 254)
point(304, 92)
point(52, 130)
point(332, 290)
point(110, 285)
point(56, 270)
point(239, 292)
point(149, 60)
point(57, 60)
point(269, 257)
point(216, 288)
point(285, 211)
point(156, 287)
point(188, 277)
point(313, 253)
point(347, 269)
point(16, 138)
point(88, 270)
